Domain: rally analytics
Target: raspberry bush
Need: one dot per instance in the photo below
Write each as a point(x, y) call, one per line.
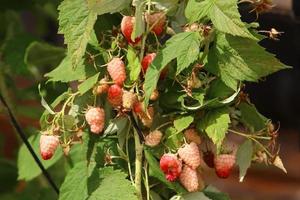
point(155, 89)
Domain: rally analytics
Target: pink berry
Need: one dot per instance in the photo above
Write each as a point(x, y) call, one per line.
point(190, 154)
point(48, 145)
point(116, 70)
point(189, 179)
point(95, 117)
point(224, 164)
point(157, 21)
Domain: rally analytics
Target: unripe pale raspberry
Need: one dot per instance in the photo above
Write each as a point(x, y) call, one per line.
point(147, 119)
point(94, 115)
point(127, 29)
point(153, 138)
point(191, 135)
point(147, 60)
point(171, 166)
point(154, 96)
point(116, 70)
point(48, 145)
point(114, 95)
point(102, 87)
point(224, 164)
point(96, 128)
point(157, 21)
point(189, 179)
point(190, 154)
point(129, 98)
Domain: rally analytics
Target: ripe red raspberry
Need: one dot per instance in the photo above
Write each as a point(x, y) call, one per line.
point(127, 25)
point(48, 145)
point(191, 135)
point(95, 117)
point(137, 107)
point(157, 22)
point(189, 179)
point(116, 70)
point(190, 154)
point(208, 158)
point(224, 164)
point(171, 166)
point(153, 138)
point(129, 98)
point(147, 60)
point(114, 95)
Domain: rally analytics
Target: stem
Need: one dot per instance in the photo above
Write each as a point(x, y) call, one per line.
point(138, 165)
point(251, 137)
point(128, 161)
point(146, 180)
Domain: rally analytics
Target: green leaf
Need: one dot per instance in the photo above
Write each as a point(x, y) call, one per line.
point(194, 196)
point(74, 186)
point(244, 157)
point(165, 4)
point(120, 126)
point(184, 47)
point(239, 59)
point(215, 194)
point(157, 173)
point(196, 10)
point(88, 84)
point(134, 65)
point(76, 22)
point(252, 118)
point(44, 103)
point(174, 139)
point(39, 54)
point(66, 73)
point(183, 122)
point(139, 25)
point(215, 124)
point(14, 52)
point(28, 169)
point(223, 14)
point(113, 185)
point(108, 6)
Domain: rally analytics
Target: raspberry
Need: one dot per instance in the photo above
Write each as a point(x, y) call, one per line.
point(147, 60)
point(102, 87)
point(147, 119)
point(208, 158)
point(190, 154)
point(153, 138)
point(48, 145)
point(171, 166)
point(116, 70)
point(189, 179)
point(127, 29)
point(95, 117)
point(114, 95)
point(129, 98)
point(191, 135)
point(157, 22)
point(224, 164)
point(138, 107)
